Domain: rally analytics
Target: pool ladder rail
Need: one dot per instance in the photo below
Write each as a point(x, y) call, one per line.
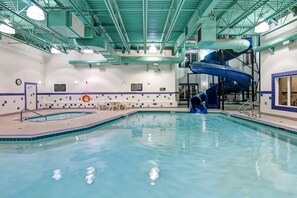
point(246, 106)
point(29, 110)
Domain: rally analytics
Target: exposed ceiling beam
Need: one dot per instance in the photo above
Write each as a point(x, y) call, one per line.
point(203, 10)
point(245, 14)
point(118, 22)
point(278, 12)
point(236, 31)
point(53, 36)
point(170, 22)
point(27, 43)
point(227, 9)
point(144, 23)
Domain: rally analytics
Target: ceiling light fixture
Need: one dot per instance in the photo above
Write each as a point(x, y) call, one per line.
point(55, 51)
point(262, 26)
point(6, 27)
point(88, 51)
point(35, 13)
point(152, 49)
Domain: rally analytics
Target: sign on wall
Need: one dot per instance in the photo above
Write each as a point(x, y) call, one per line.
point(136, 87)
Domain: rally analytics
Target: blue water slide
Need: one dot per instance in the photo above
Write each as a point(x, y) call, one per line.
point(197, 103)
point(242, 79)
point(236, 80)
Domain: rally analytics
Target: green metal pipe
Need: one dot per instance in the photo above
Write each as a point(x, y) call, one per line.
point(276, 42)
point(116, 23)
point(87, 62)
point(172, 24)
point(144, 22)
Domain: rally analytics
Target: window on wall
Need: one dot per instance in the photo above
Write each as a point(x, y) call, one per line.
point(293, 85)
point(287, 91)
point(283, 91)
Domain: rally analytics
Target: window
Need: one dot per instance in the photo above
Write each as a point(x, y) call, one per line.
point(283, 93)
point(287, 91)
point(293, 85)
point(184, 93)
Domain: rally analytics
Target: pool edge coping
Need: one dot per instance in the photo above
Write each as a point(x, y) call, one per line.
point(50, 134)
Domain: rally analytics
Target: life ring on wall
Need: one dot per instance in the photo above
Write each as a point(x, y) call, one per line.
point(86, 98)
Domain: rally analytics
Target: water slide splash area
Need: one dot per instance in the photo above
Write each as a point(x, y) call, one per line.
point(235, 79)
point(197, 103)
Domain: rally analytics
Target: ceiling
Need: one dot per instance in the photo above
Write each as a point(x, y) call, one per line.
point(137, 24)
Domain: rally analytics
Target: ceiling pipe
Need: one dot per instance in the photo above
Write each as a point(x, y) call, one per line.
point(167, 32)
point(276, 42)
point(144, 22)
point(238, 45)
point(134, 59)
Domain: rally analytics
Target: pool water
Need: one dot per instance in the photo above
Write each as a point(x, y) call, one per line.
point(156, 155)
point(56, 116)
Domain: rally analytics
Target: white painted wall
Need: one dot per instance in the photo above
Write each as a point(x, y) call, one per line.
point(19, 61)
point(283, 60)
point(31, 65)
point(106, 78)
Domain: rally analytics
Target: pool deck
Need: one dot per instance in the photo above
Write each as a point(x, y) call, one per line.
point(11, 127)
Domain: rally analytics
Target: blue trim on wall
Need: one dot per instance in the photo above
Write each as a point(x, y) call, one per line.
point(90, 93)
point(12, 94)
point(112, 93)
point(265, 92)
point(273, 77)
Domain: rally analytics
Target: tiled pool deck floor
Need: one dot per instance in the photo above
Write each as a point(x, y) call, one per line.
point(11, 127)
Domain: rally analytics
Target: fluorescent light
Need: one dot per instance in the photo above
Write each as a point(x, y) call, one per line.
point(76, 82)
point(39, 82)
point(88, 51)
point(35, 13)
point(262, 26)
point(152, 49)
point(286, 42)
point(6, 29)
point(55, 51)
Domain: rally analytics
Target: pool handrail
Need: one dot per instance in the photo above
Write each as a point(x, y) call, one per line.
point(250, 105)
point(26, 109)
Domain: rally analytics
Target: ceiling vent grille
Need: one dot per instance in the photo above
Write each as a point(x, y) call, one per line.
point(65, 23)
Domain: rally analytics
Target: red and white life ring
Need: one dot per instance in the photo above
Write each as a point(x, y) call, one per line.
point(86, 98)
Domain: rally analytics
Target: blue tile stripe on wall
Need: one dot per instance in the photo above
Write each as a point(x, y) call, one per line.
point(12, 94)
point(98, 93)
point(273, 77)
point(265, 93)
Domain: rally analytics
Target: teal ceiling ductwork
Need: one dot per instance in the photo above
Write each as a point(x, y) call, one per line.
point(65, 23)
point(276, 42)
point(207, 35)
point(96, 43)
point(134, 59)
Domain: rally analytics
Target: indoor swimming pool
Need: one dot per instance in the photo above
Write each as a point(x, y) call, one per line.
point(56, 116)
point(155, 155)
